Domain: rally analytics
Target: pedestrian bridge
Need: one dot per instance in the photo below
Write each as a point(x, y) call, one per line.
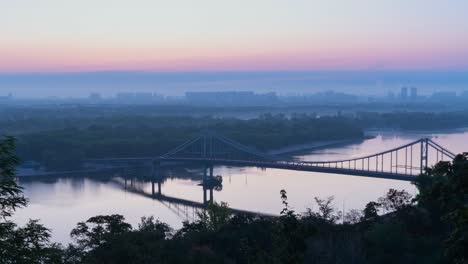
point(401, 163)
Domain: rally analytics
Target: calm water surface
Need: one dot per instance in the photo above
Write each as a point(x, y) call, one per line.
point(61, 202)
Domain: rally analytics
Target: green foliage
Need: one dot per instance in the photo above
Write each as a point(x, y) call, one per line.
point(354, 216)
point(10, 193)
point(326, 211)
point(457, 243)
point(371, 211)
point(443, 192)
point(290, 233)
point(132, 136)
point(215, 216)
point(148, 224)
point(63, 142)
point(396, 200)
point(29, 244)
point(96, 230)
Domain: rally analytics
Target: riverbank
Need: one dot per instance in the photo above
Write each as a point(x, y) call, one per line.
point(287, 151)
point(314, 146)
point(71, 172)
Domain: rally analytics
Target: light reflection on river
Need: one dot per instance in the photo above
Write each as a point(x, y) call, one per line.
point(62, 202)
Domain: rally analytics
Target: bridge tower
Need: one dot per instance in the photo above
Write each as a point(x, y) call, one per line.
point(424, 154)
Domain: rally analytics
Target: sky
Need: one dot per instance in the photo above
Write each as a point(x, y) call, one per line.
point(241, 35)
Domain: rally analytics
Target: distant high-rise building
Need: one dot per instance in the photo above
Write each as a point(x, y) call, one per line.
point(414, 93)
point(231, 98)
point(404, 93)
point(95, 97)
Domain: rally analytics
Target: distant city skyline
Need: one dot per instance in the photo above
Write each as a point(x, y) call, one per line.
point(41, 85)
point(213, 35)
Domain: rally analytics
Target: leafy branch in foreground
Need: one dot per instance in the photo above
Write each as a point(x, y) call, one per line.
point(11, 196)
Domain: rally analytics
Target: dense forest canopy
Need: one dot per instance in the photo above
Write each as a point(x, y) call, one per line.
point(143, 136)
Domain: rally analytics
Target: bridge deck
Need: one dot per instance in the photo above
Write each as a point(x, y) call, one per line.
point(400, 163)
point(295, 166)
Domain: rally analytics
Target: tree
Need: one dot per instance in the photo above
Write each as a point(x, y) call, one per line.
point(96, 230)
point(353, 216)
point(290, 233)
point(443, 191)
point(143, 245)
point(11, 196)
point(326, 211)
point(148, 224)
point(371, 211)
point(457, 243)
point(396, 200)
point(215, 216)
point(28, 244)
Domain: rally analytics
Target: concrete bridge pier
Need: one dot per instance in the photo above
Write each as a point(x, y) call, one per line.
point(126, 182)
point(208, 175)
point(204, 196)
point(156, 177)
point(207, 172)
point(206, 200)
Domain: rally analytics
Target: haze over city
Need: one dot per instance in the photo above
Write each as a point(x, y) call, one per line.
point(288, 47)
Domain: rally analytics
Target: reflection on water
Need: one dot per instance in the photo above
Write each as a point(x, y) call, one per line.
point(61, 202)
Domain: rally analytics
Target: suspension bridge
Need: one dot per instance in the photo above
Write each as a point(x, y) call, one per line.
point(400, 163)
point(209, 149)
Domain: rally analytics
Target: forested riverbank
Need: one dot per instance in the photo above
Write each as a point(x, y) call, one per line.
point(63, 142)
point(138, 136)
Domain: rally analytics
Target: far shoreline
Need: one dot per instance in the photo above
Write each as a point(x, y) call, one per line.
point(316, 145)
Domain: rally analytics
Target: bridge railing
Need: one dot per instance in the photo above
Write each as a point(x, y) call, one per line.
point(408, 159)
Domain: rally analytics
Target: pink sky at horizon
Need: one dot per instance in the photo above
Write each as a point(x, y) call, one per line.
point(213, 36)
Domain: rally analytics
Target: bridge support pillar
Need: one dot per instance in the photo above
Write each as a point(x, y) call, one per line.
point(153, 193)
point(207, 183)
point(157, 176)
point(205, 202)
point(208, 172)
point(211, 195)
point(205, 172)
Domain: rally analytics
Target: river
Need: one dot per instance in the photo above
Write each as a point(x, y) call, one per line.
point(61, 202)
